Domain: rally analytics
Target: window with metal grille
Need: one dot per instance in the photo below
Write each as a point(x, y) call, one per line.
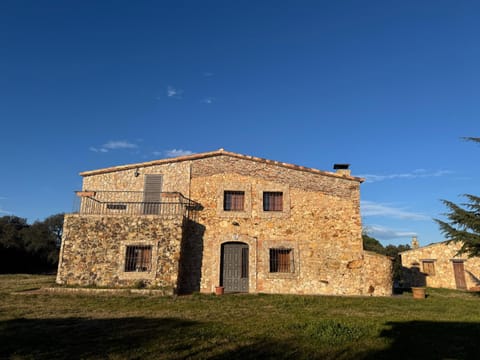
point(272, 201)
point(428, 267)
point(138, 258)
point(233, 200)
point(281, 261)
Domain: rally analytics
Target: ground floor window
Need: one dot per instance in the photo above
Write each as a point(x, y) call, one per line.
point(428, 267)
point(138, 258)
point(281, 260)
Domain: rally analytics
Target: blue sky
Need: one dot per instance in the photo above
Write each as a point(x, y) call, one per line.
point(387, 86)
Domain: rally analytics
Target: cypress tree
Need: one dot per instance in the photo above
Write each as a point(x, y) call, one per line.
point(463, 223)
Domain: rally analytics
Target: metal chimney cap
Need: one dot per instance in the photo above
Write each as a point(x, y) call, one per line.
point(341, 166)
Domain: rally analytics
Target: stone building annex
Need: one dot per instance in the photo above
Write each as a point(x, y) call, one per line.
point(219, 218)
point(440, 265)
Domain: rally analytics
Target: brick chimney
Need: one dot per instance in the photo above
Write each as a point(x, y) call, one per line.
point(342, 169)
point(415, 244)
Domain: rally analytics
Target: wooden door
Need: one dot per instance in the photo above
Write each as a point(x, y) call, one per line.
point(459, 272)
point(234, 266)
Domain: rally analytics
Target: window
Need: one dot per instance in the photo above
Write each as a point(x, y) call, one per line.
point(281, 261)
point(233, 200)
point(152, 194)
point(428, 267)
point(272, 201)
point(116, 206)
point(138, 258)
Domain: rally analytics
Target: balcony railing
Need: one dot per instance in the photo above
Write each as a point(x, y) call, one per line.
point(91, 202)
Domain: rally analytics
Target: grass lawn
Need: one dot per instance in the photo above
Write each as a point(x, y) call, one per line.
point(446, 325)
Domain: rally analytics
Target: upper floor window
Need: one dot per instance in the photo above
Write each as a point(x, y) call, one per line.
point(272, 201)
point(233, 200)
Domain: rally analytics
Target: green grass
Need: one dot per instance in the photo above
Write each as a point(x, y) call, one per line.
point(58, 326)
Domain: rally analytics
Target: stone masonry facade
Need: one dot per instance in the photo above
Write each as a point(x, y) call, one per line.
point(318, 228)
point(93, 250)
point(439, 265)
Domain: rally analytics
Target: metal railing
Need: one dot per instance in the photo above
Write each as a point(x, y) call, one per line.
point(92, 202)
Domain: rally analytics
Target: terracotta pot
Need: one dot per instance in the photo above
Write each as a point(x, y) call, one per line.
point(418, 292)
point(219, 290)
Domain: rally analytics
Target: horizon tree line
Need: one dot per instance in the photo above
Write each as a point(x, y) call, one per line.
point(30, 248)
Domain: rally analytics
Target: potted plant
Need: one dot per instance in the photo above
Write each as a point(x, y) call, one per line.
point(418, 292)
point(219, 290)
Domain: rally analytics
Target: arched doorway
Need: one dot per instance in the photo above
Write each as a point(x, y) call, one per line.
point(234, 267)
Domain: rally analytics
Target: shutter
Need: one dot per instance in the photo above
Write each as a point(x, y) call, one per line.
point(233, 200)
point(152, 193)
point(273, 201)
point(147, 258)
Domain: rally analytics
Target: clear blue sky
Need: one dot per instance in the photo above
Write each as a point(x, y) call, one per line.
point(388, 86)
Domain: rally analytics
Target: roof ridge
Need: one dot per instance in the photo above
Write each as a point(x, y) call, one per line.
point(218, 152)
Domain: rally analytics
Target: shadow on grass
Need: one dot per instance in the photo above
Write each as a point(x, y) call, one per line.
point(263, 350)
point(125, 338)
point(58, 338)
point(430, 340)
point(173, 338)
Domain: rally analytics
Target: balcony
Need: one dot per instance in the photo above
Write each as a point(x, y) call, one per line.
point(92, 202)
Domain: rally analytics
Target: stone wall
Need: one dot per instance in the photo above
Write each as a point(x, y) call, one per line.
point(377, 274)
point(273, 172)
point(320, 223)
point(93, 250)
point(442, 255)
point(176, 178)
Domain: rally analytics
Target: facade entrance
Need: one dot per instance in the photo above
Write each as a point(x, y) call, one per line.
point(459, 272)
point(234, 267)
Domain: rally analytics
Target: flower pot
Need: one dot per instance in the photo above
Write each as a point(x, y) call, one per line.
point(219, 290)
point(418, 292)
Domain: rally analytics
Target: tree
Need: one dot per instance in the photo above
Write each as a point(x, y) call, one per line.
point(55, 226)
point(463, 223)
point(394, 252)
point(41, 244)
point(372, 244)
point(12, 249)
point(10, 227)
point(29, 248)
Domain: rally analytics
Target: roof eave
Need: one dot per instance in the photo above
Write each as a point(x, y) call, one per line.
point(219, 153)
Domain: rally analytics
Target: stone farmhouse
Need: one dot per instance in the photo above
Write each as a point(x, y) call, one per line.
point(196, 222)
point(439, 265)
